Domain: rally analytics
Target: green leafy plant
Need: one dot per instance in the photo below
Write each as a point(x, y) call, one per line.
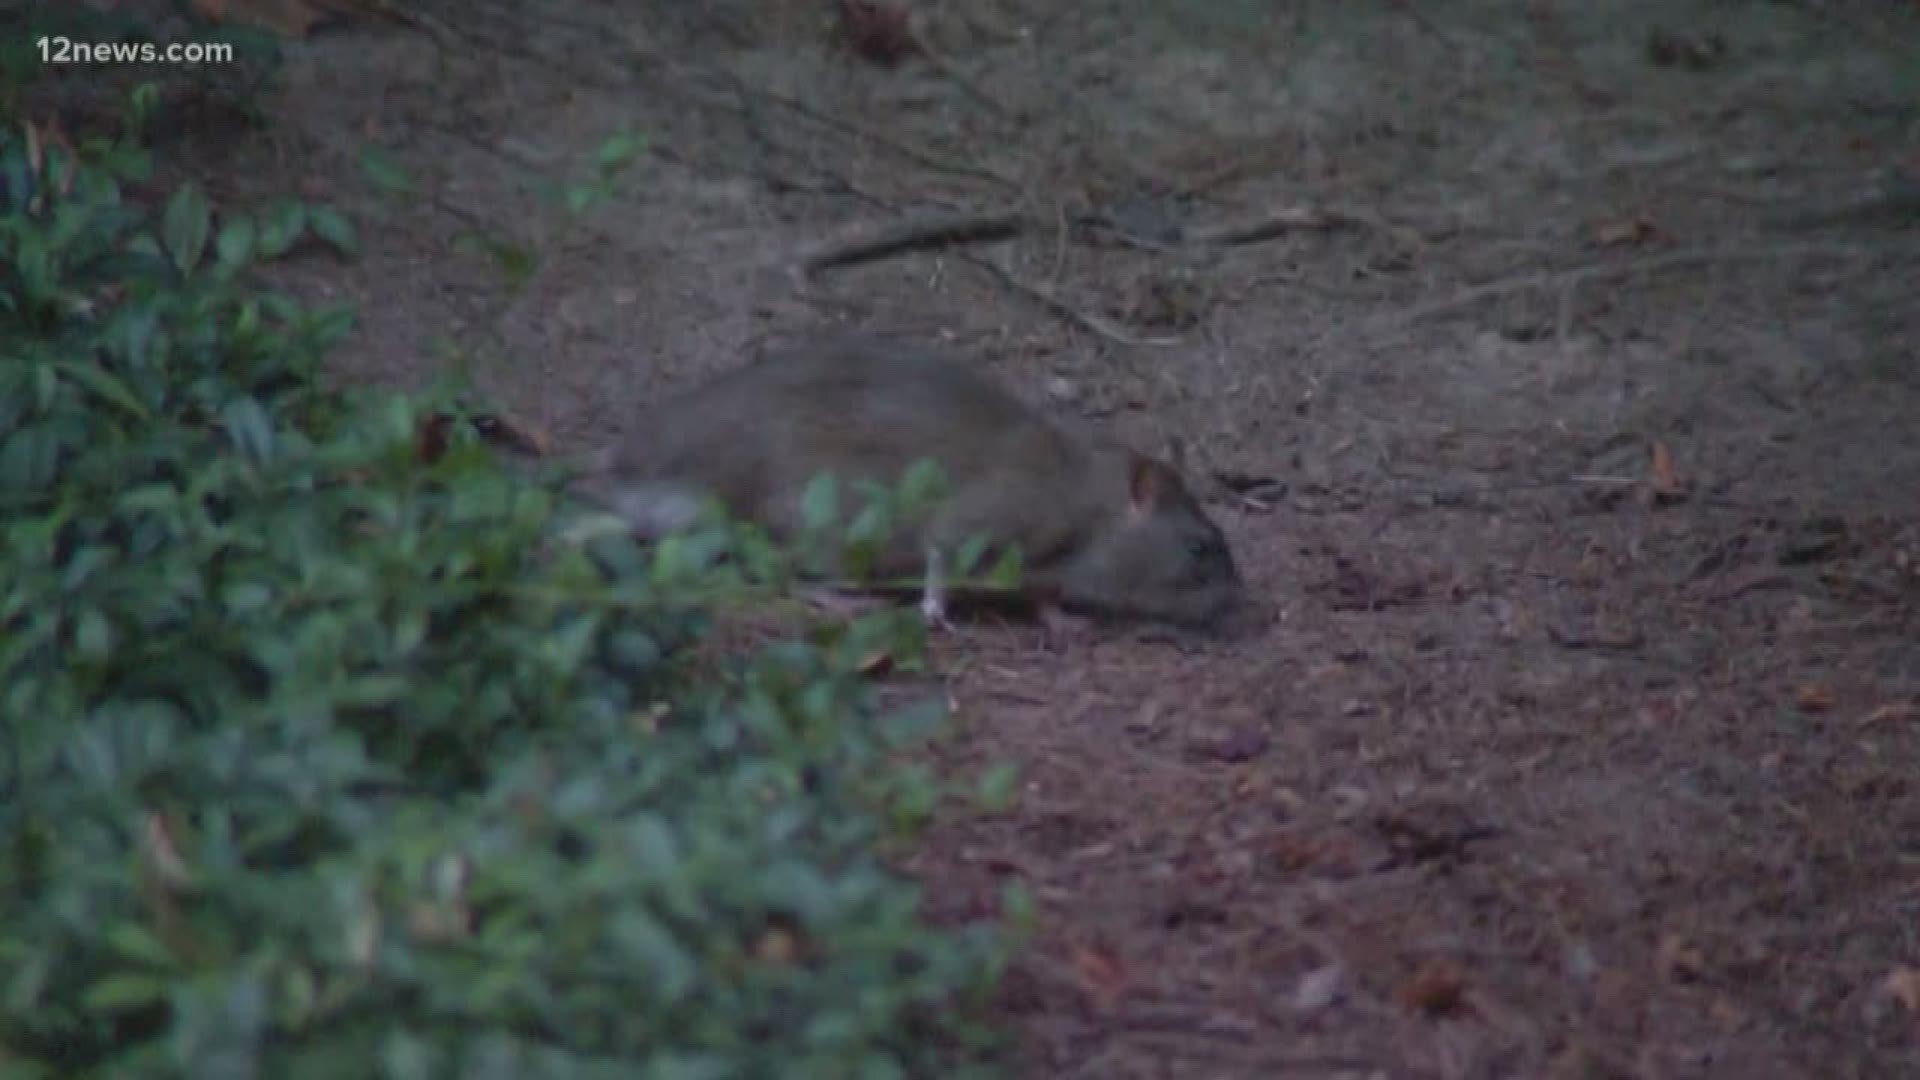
point(321, 756)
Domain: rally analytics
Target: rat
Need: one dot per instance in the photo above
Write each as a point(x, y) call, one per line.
point(1102, 530)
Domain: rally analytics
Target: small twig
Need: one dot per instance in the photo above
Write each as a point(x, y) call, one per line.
point(922, 157)
point(1047, 299)
point(442, 35)
point(1421, 20)
point(1895, 203)
point(938, 230)
point(1060, 231)
point(1600, 642)
point(1301, 282)
point(1568, 278)
point(960, 78)
point(1277, 223)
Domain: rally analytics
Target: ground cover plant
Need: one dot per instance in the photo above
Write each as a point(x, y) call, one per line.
point(325, 753)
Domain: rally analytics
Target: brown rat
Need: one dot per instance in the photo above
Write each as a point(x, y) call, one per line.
point(1100, 528)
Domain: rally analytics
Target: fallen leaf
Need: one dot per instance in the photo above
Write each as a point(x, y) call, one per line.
point(1679, 960)
point(35, 156)
point(363, 936)
point(1100, 972)
point(162, 853)
point(1893, 712)
point(1233, 747)
point(1291, 851)
point(776, 947)
point(1728, 1015)
point(441, 921)
point(1813, 697)
point(1436, 989)
point(1318, 988)
point(1902, 984)
point(1665, 477)
point(1624, 232)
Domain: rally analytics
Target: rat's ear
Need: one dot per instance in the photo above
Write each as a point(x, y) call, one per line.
point(1147, 479)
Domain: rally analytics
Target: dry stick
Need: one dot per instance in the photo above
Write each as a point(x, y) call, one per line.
point(1421, 20)
point(1060, 230)
point(1305, 284)
point(1046, 298)
point(923, 157)
point(1567, 278)
point(1278, 223)
point(959, 78)
point(938, 230)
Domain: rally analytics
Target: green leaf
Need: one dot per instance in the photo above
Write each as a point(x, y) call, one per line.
point(1006, 571)
point(246, 597)
point(915, 794)
point(820, 503)
point(134, 942)
point(247, 323)
point(371, 691)
point(997, 787)
point(125, 992)
point(328, 325)
point(871, 526)
point(144, 246)
point(328, 225)
point(280, 228)
point(46, 386)
point(566, 645)
point(617, 150)
point(151, 498)
point(29, 458)
point(235, 244)
point(914, 723)
point(676, 1066)
point(105, 385)
point(93, 635)
point(651, 848)
point(384, 171)
point(967, 558)
point(128, 162)
point(406, 1056)
point(924, 483)
point(634, 652)
point(249, 428)
point(184, 227)
point(141, 105)
point(516, 262)
point(1018, 907)
point(35, 267)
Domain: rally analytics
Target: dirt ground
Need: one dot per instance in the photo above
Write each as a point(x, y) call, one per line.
point(1552, 368)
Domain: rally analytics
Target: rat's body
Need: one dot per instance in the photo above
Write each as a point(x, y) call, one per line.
point(1100, 528)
